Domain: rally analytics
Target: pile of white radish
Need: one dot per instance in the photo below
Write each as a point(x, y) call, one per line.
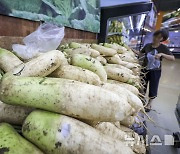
point(94, 83)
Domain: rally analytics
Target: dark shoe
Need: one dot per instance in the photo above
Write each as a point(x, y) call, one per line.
point(147, 110)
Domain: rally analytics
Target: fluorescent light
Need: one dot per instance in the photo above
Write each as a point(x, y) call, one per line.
point(176, 31)
point(141, 20)
point(147, 29)
point(131, 24)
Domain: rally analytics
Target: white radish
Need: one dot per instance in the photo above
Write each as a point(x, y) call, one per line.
point(128, 122)
point(12, 142)
point(55, 134)
point(75, 45)
point(129, 87)
point(94, 53)
point(41, 66)
point(63, 96)
point(82, 50)
point(102, 60)
point(129, 65)
point(113, 59)
point(103, 50)
point(71, 52)
point(88, 45)
point(125, 94)
point(118, 48)
point(116, 133)
point(139, 144)
point(77, 73)
point(121, 67)
point(13, 114)
point(135, 101)
point(136, 71)
point(91, 64)
point(128, 58)
point(8, 60)
point(111, 130)
point(120, 75)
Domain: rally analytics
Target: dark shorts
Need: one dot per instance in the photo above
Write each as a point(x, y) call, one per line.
point(152, 77)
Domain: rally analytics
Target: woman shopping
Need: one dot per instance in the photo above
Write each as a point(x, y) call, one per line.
point(153, 54)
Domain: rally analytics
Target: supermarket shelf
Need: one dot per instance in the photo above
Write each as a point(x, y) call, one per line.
point(175, 51)
point(173, 46)
point(117, 33)
point(136, 46)
point(115, 12)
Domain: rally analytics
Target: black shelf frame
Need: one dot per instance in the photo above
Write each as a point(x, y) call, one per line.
point(118, 11)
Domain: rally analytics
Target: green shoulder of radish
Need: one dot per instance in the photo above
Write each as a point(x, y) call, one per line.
point(56, 133)
point(8, 60)
point(75, 45)
point(82, 50)
point(120, 49)
point(91, 64)
point(63, 96)
point(13, 143)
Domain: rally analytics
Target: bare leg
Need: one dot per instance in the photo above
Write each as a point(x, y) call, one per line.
point(148, 106)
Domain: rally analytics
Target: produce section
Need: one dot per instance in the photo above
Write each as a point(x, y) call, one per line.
point(117, 33)
point(76, 84)
point(95, 83)
point(75, 80)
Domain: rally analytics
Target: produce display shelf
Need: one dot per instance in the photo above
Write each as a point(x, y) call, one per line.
point(109, 13)
point(91, 92)
point(118, 33)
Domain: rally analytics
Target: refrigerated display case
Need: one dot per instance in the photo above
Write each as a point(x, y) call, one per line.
point(124, 23)
point(125, 29)
point(174, 43)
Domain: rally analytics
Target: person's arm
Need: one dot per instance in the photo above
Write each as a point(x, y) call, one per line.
point(135, 51)
point(163, 55)
point(139, 52)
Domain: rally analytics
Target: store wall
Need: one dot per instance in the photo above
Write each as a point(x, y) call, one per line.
point(10, 26)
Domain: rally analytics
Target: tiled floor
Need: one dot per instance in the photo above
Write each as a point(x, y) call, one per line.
point(163, 107)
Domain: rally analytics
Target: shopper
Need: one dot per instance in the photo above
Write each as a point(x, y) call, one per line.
point(153, 54)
